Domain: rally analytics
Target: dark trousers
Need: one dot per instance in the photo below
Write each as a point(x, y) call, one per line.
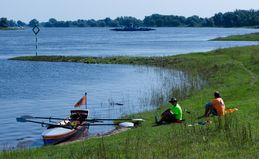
point(168, 117)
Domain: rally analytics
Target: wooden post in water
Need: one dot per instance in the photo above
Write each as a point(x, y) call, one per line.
point(36, 45)
point(36, 30)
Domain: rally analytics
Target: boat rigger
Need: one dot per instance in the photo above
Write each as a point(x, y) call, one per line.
point(75, 126)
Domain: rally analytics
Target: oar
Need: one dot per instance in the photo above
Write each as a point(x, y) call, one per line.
point(123, 124)
point(36, 117)
point(53, 118)
point(99, 124)
point(106, 119)
point(42, 123)
point(89, 120)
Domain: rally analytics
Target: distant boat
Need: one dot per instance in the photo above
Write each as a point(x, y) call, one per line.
point(132, 29)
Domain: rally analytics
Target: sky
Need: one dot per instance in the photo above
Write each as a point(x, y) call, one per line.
point(42, 10)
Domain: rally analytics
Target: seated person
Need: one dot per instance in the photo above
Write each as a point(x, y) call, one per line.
point(76, 119)
point(216, 107)
point(172, 115)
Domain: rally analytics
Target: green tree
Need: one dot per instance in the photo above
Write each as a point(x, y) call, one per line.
point(129, 21)
point(80, 23)
point(20, 23)
point(218, 19)
point(208, 22)
point(238, 18)
point(194, 21)
point(12, 23)
point(52, 22)
point(154, 20)
point(3, 23)
point(91, 23)
point(33, 22)
point(229, 19)
point(149, 21)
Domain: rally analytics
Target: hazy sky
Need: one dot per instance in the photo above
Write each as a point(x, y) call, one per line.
point(42, 10)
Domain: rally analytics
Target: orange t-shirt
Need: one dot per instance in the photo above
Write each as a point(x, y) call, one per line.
point(219, 105)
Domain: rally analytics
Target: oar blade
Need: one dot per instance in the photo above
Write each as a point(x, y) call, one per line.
point(119, 104)
point(27, 117)
point(21, 120)
point(126, 125)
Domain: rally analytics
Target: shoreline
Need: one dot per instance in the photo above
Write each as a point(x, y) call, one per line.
point(11, 29)
point(232, 71)
point(244, 37)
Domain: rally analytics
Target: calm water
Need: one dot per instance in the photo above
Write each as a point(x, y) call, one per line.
point(103, 42)
point(50, 89)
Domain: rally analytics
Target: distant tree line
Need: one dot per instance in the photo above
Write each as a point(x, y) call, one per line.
point(4, 23)
point(238, 18)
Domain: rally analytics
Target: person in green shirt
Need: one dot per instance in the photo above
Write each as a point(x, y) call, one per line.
point(172, 115)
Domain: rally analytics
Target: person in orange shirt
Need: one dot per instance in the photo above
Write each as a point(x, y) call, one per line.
point(218, 104)
point(215, 107)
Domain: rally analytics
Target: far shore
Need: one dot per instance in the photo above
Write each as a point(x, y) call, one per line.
point(13, 28)
point(245, 37)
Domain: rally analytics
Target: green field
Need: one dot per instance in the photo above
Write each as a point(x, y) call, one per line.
point(245, 37)
point(233, 71)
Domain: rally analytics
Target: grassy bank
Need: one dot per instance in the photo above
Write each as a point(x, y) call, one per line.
point(233, 71)
point(245, 37)
point(9, 28)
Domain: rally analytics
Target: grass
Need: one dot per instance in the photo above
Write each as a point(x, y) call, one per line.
point(9, 28)
point(233, 71)
point(245, 37)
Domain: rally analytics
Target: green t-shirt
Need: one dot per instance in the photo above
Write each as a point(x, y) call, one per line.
point(177, 110)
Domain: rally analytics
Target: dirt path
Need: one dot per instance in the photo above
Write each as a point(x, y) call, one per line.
point(253, 75)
